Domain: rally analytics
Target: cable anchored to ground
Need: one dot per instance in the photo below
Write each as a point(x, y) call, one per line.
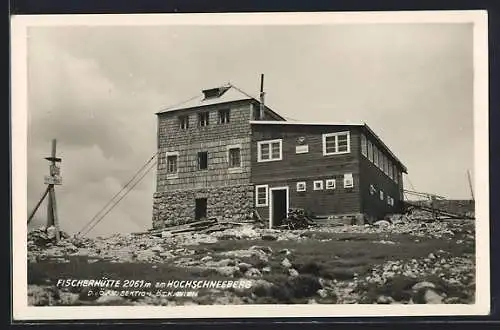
point(112, 203)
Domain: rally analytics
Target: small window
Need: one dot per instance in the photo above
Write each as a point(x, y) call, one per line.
point(364, 146)
point(171, 164)
point(234, 157)
point(301, 186)
point(372, 190)
point(318, 185)
point(203, 119)
point(370, 151)
point(375, 155)
point(386, 165)
point(382, 161)
point(224, 116)
point(184, 122)
point(256, 112)
point(396, 174)
point(381, 195)
point(261, 195)
point(336, 143)
point(391, 168)
point(348, 180)
point(269, 150)
point(330, 184)
point(202, 160)
point(388, 200)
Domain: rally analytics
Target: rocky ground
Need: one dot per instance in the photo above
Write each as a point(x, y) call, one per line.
point(400, 261)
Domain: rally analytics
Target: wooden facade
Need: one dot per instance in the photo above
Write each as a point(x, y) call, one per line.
point(326, 169)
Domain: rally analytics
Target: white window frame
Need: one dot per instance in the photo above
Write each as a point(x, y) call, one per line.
point(234, 169)
point(220, 117)
point(301, 186)
point(370, 150)
point(389, 200)
point(320, 187)
point(172, 175)
point(336, 135)
point(269, 142)
point(364, 145)
point(373, 190)
point(348, 177)
point(257, 204)
point(381, 195)
point(330, 184)
point(181, 122)
point(206, 122)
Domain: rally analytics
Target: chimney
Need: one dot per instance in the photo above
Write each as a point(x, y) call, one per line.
point(262, 94)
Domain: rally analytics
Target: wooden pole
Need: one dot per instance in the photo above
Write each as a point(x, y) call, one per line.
point(54, 214)
point(38, 205)
point(470, 184)
point(52, 219)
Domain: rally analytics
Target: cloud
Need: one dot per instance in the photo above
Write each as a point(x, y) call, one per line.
point(96, 90)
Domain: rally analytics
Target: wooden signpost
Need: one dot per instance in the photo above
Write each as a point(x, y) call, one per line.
point(51, 180)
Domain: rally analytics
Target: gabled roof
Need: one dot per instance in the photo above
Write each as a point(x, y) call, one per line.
point(364, 126)
point(229, 93)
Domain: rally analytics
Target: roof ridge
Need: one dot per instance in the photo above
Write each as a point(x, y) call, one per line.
point(241, 91)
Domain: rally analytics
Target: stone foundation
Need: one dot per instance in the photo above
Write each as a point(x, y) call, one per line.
point(231, 203)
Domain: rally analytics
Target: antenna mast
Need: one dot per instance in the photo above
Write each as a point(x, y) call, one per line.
point(262, 95)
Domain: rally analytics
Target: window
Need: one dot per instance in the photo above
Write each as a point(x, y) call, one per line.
point(384, 163)
point(234, 157)
point(336, 143)
point(172, 167)
point(375, 155)
point(301, 186)
point(370, 151)
point(172, 164)
point(372, 190)
point(261, 195)
point(396, 174)
point(202, 160)
point(224, 116)
point(380, 160)
point(381, 195)
point(203, 119)
point(184, 122)
point(318, 185)
point(269, 150)
point(256, 112)
point(330, 184)
point(364, 146)
point(388, 200)
point(391, 168)
point(348, 180)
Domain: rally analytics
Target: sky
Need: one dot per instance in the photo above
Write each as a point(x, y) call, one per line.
point(97, 89)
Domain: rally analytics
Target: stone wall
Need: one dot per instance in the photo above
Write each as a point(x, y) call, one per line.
point(230, 203)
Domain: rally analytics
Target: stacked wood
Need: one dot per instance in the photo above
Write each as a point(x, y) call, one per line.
point(203, 227)
point(297, 219)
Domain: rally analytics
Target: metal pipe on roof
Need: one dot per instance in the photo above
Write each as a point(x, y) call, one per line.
point(262, 94)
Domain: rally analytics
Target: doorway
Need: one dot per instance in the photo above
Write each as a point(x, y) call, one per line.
point(200, 211)
point(278, 206)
